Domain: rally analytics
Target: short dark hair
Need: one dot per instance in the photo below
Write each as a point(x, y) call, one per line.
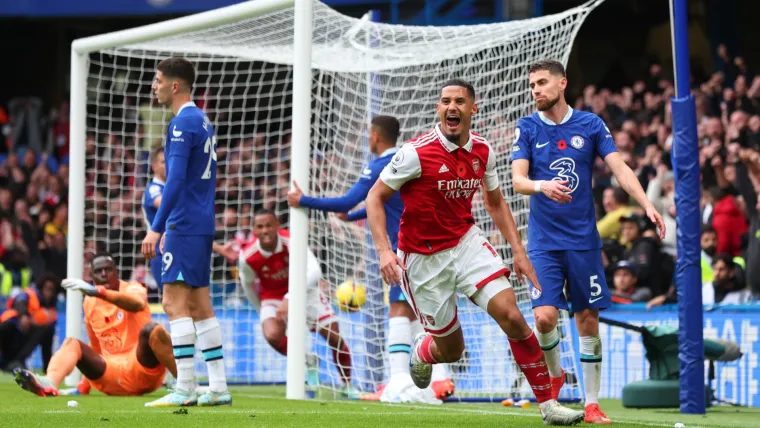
point(266, 211)
point(154, 153)
point(552, 66)
point(388, 127)
point(178, 68)
point(461, 83)
point(725, 258)
point(620, 196)
point(707, 229)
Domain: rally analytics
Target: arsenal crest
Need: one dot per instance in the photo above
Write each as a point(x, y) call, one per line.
point(475, 165)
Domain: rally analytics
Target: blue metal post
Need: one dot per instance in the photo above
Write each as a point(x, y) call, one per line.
point(687, 195)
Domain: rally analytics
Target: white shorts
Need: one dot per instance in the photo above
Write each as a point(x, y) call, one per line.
point(319, 313)
point(430, 282)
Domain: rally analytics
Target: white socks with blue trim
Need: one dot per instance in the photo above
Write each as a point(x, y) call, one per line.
point(210, 341)
point(183, 343)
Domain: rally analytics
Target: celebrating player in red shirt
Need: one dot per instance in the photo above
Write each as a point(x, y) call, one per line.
point(266, 257)
point(441, 250)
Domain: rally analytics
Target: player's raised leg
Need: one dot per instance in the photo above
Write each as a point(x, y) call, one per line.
point(72, 353)
point(440, 380)
point(589, 293)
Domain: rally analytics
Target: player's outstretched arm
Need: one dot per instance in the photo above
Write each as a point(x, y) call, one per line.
point(376, 217)
point(553, 189)
point(630, 183)
point(134, 299)
point(357, 193)
point(502, 217)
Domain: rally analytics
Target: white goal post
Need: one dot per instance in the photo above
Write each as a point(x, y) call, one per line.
point(290, 87)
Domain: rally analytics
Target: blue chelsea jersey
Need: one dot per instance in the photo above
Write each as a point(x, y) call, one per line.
point(190, 152)
point(154, 190)
point(564, 151)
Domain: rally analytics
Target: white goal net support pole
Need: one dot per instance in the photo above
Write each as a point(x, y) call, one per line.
point(292, 102)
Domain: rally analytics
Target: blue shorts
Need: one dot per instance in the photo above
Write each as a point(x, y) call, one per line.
point(584, 273)
point(156, 267)
point(187, 258)
point(395, 294)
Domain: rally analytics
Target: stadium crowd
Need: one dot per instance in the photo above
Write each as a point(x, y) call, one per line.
point(640, 267)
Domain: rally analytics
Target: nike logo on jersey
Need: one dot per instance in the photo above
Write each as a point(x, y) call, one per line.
point(175, 132)
point(538, 146)
point(595, 299)
point(443, 169)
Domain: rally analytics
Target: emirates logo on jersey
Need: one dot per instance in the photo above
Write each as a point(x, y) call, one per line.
point(278, 275)
point(459, 188)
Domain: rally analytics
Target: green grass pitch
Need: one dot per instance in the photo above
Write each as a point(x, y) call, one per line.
point(267, 407)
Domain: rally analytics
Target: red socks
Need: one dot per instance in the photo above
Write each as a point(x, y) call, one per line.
point(424, 351)
point(342, 360)
point(530, 358)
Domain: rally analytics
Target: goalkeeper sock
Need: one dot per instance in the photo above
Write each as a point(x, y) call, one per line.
point(550, 345)
point(64, 360)
point(342, 358)
point(529, 356)
point(591, 364)
point(399, 344)
point(183, 343)
point(210, 341)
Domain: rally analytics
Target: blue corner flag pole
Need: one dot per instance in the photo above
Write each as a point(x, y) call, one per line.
point(685, 156)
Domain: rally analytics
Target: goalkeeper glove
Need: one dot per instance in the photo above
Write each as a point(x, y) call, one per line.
point(85, 288)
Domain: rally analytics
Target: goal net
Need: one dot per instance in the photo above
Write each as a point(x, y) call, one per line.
point(360, 69)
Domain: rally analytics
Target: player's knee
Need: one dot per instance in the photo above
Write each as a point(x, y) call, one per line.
point(70, 342)
point(273, 334)
point(146, 330)
point(545, 321)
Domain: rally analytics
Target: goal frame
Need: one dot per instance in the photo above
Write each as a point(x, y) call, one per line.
point(80, 50)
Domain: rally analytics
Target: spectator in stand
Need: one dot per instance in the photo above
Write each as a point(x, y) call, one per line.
point(644, 251)
point(709, 243)
point(616, 206)
point(29, 321)
point(728, 285)
point(627, 286)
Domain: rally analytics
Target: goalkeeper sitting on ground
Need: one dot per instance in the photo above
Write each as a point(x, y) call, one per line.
point(128, 353)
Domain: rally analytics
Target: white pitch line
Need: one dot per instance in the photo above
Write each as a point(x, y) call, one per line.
point(451, 408)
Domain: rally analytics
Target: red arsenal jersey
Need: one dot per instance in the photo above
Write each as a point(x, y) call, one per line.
point(437, 180)
point(270, 268)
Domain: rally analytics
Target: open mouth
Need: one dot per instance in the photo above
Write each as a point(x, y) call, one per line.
point(452, 121)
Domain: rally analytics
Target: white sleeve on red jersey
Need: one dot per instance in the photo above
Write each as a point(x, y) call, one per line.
point(491, 177)
point(247, 281)
point(313, 271)
point(404, 167)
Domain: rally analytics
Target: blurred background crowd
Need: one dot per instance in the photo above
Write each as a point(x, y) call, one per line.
point(640, 267)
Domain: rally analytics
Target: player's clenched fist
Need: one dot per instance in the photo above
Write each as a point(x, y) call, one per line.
point(389, 267)
point(556, 191)
point(523, 266)
point(149, 245)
